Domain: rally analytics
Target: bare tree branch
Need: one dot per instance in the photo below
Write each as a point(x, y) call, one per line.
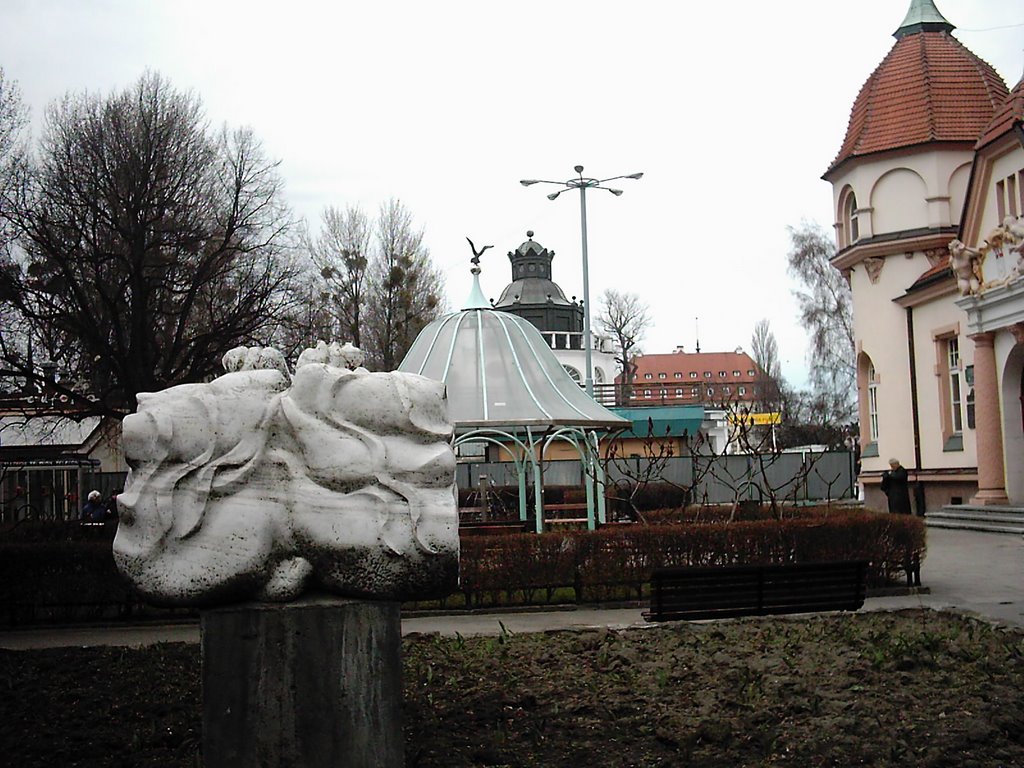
point(625, 318)
point(151, 245)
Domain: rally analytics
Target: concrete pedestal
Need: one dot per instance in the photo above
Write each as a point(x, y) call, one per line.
point(314, 683)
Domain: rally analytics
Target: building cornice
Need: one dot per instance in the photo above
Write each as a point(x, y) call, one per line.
point(906, 241)
point(996, 308)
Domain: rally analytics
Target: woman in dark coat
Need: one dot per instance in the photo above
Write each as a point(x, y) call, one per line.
point(896, 487)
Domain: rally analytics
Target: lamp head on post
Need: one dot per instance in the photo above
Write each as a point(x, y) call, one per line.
point(583, 184)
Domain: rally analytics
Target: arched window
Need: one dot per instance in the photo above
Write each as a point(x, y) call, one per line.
point(872, 404)
point(575, 374)
point(849, 218)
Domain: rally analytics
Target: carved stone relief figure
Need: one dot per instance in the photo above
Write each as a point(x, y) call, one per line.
point(965, 263)
point(261, 485)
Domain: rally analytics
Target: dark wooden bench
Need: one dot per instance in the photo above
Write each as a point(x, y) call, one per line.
point(718, 592)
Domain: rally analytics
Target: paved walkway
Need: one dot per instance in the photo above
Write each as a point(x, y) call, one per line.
point(981, 573)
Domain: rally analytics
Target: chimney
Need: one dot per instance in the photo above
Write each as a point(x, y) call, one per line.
point(679, 349)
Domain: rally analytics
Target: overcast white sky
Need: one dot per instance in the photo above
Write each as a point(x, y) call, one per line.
point(732, 110)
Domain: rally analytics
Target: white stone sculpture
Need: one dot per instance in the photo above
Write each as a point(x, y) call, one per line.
point(1014, 237)
point(257, 486)
point(965, 263)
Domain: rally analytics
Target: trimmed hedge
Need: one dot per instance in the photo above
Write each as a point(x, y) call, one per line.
point(618, 560)
point(50, 578)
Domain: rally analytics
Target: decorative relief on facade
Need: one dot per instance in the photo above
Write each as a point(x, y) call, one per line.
point(874, 268)
point(1005, 246)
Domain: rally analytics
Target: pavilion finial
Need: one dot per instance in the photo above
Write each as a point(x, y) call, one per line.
point(476, 255)
point(476, 299)
point(922, 16)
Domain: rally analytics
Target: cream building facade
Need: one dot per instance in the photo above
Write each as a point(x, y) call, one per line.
point(932, 136)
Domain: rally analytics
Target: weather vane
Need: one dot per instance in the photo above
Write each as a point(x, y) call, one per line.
point(476, 255)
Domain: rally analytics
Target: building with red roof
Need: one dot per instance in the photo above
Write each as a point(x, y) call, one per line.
point(710, 378)
point(928, 194)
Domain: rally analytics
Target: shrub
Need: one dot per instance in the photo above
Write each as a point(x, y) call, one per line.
point(47, 577)
point(620, 559)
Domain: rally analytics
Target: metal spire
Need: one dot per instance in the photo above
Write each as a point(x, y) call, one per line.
point(922, 16)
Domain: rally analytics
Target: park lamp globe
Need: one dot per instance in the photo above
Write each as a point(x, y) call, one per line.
point(583, 183)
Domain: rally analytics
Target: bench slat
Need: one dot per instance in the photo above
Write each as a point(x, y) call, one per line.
point(729, 591)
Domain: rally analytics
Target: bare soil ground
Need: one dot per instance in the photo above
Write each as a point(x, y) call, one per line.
point(914, 688)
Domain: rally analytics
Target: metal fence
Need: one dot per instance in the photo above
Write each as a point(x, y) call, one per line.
point(799, 477)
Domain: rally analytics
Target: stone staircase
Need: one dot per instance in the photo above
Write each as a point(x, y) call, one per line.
point(978, 518)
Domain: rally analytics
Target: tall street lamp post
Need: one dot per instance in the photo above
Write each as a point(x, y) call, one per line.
point(583, 183)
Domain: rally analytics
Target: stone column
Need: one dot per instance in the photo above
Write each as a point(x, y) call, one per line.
point(314, 683)
point(988, 423)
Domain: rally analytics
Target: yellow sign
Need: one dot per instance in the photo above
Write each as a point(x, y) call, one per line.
point(755, 419)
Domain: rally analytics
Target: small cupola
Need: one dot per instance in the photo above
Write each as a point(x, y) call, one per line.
point(531, 259)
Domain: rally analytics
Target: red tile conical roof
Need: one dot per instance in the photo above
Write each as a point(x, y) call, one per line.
point(928, 88)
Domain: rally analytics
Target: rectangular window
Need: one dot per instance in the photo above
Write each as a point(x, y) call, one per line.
point(872, 405)
point(743, 390)
point(1011, 195)
point(955, 388)
point(1000, 200)
point(726, 390)
point(648, 376)
point(647, 393)
point(679, 393)
point(678, 375)
point(736, 374)
point(722, 374)
point(661, 376)
point(751, 373)
point(693, 374)
point(711, 392)
point(707, 374)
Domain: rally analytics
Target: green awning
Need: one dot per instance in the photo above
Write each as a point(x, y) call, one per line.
point(670, 420)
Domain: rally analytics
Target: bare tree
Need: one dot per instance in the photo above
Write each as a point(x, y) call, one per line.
point(625, 318)
point(13, 120)
point(152, 244)
point(342, 253)
point(765, 351)
point(826, 312)
point(405, 290)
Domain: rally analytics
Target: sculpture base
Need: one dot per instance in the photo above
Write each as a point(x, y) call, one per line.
point(313, 683)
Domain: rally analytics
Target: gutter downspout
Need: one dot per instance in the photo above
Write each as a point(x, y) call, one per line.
point(919, 501)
